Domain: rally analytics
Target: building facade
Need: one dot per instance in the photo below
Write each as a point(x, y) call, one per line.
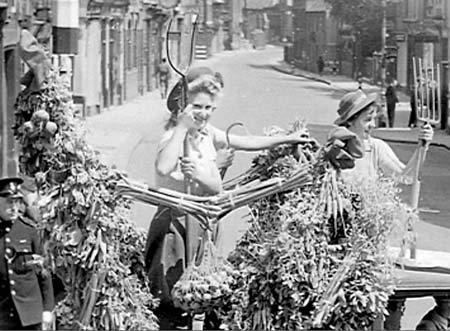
point(422, 31)
point(13, 15)
point(120, 46)
point(315, 34)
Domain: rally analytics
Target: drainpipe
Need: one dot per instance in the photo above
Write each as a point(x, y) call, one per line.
point(3, 115)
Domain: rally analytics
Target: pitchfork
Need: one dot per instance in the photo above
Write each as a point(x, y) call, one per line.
point(428, 110)
point(196, 321)
point(182, 105)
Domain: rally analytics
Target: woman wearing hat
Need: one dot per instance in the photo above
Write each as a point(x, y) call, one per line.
point(357, 112)
point(165, 248)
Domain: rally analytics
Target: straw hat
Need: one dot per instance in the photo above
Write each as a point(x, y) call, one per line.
point(351, 104)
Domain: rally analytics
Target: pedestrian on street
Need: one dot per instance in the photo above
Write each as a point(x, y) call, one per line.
point(391, 101)
point(320, 65)
point(438, 317)
point(357, 113)
point(335, 65)
point(444, 107)
point(26, 291)
point(412, 121)
point(165, 247)
point(163, 73)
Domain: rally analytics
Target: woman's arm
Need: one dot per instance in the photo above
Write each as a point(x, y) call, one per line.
point(171, 150)
point(388, 162)
point(391, 165)
point(169, 154)
point(255, 143)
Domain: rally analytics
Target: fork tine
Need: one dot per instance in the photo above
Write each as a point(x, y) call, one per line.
point(426, 114)
point(420, 109)
point(433, 94)
point(439, 91)
point(416, 90)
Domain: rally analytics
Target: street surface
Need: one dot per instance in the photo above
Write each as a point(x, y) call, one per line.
point(259, 97)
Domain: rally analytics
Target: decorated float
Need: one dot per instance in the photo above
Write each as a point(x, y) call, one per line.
point(315, 256)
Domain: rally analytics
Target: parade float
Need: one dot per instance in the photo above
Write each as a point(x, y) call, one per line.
point(315, 255)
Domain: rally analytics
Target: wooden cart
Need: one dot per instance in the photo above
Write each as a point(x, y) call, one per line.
point(427, 275)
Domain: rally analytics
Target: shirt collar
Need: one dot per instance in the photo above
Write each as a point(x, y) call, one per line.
point(200, 133)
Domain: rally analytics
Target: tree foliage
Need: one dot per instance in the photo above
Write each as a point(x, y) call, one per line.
point(364, 17)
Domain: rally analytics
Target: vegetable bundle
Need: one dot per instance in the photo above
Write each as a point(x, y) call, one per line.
point(215, 207)
point(316, 257)
point(205, 286)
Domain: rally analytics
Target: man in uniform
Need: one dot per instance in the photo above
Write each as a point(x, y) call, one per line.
point(26, 291)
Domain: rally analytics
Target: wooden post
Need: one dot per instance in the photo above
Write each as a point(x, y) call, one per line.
point(12, 78)
point(3, 110)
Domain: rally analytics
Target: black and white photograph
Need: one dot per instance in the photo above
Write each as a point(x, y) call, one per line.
point(224, 165)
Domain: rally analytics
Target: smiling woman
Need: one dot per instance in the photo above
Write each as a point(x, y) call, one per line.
point(191, 102)
point(357, 112)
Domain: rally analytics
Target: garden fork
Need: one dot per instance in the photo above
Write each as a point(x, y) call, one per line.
point(196, 321)
point(182, 105)
point(428, 111)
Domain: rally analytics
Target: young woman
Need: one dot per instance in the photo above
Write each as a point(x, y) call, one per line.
point(357, 112)
point(165, 248)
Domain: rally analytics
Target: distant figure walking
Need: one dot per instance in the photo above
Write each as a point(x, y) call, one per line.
point(163, 74)
point(412, 122)
point(391, 101)
point(320, 65)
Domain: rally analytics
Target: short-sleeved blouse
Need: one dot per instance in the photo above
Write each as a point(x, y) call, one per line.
point(378, 157)
point(202, 149)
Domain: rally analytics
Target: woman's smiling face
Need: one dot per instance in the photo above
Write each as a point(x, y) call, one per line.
point(203, 105)
point(363, 124)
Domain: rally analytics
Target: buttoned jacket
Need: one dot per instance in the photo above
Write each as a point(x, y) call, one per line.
point(27, 283)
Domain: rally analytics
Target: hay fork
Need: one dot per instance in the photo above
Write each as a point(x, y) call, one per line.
point(196, 321)
point(427, 93)
point(182, 105)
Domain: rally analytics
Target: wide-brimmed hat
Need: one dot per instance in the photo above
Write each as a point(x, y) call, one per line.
point(351, 104)
point(10, 187)
point(174, 100)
